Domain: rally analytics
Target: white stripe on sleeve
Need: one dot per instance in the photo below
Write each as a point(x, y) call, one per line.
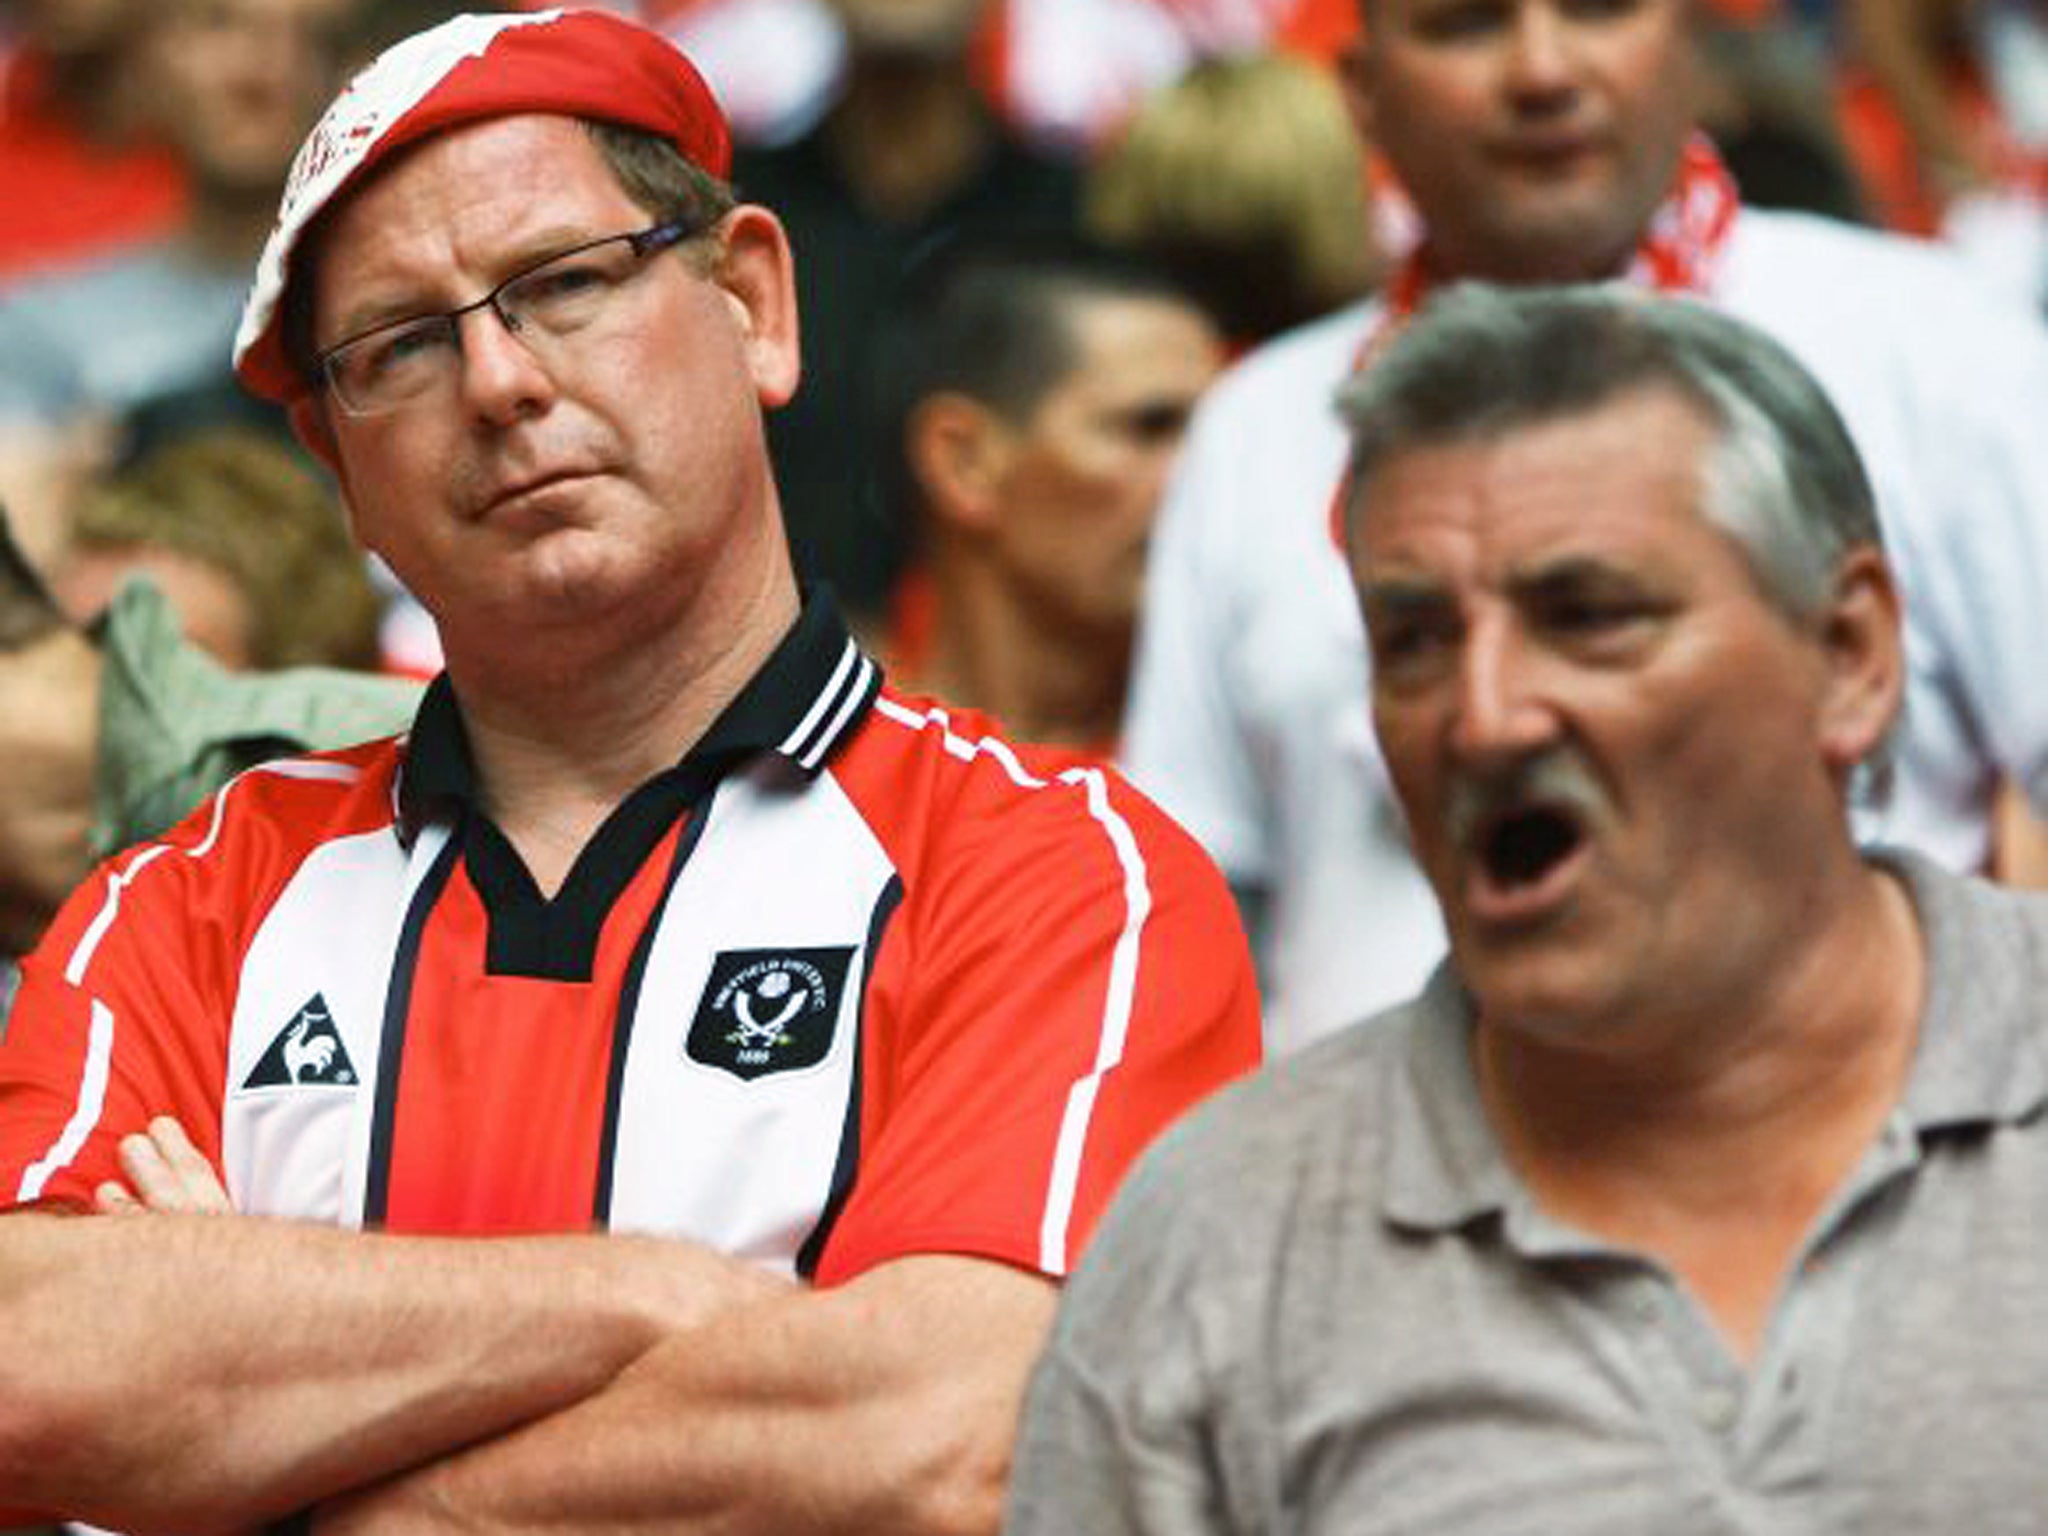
point(92, 1101)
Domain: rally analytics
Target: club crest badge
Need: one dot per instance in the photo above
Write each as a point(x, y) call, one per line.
point(768, 1010)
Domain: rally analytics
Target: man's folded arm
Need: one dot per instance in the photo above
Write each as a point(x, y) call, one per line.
point(192, 1373)
point(888, 1404)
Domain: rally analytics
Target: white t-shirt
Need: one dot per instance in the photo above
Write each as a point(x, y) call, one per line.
point(1249, 710)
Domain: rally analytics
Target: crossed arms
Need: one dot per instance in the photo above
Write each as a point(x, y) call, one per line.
point(192, 1372)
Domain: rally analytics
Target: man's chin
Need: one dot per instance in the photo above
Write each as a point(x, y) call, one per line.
point(1546, 980)
point(1545, 239)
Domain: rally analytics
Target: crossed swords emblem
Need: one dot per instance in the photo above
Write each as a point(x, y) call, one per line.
point(757, 1033)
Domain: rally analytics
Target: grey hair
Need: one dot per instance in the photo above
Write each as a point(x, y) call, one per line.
point(1784, 479)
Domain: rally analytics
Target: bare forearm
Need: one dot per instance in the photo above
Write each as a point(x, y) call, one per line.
point(197, 1373)
point(892, 1411)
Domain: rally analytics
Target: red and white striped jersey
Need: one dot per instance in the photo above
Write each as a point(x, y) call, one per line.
point(855, 979)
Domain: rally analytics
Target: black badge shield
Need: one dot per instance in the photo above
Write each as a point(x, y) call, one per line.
point(768, 1010)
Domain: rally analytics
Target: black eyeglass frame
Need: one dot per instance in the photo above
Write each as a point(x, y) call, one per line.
point(645, 243)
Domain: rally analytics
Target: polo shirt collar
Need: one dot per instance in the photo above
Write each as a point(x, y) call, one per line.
point(1980, 1058)
point(808, 698)
point(1444, 1165)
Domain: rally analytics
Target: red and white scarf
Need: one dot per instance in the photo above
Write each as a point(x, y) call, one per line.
point(1681, 248)
point(1680, 252)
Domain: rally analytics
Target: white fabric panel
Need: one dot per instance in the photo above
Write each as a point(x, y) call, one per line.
point(751, 884)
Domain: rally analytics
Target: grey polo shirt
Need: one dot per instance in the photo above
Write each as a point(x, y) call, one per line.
point(1326, 1304)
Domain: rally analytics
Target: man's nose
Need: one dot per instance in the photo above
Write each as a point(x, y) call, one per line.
point(1500, 712)
point(1540, 48)
point(503, 379)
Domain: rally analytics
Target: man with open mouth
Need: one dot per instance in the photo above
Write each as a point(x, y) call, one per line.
point(1699, 1190)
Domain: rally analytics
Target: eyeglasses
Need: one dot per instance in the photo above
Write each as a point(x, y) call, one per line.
point(384, 367)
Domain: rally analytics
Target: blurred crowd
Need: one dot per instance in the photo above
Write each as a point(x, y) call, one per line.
point(1031, 238)
point(1030, 232)
point(142, 147)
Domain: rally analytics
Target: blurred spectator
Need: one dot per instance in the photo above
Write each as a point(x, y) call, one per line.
point(1946, 106)
point(80, 171)
point(909, 152)
point(1244, 180)
point(46, 704)
point(1038, 391)
point(1768, 105)
point(246, 542)
point(147, 330)
point(1542, 141)
point(771, 63)
point(1058, 70)
point(109, 736)
point(1915, 64)
point(238, 82)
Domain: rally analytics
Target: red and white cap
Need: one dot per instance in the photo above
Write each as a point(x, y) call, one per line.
point(583, 63)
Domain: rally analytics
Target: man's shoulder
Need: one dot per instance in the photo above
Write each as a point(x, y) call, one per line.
point(1977, 929)
point(1937, 375)
point(280, 810)
point(938, 776)
point(1310, 1127)
point(220, 868)
point(1812, 240)
point(1864, 286)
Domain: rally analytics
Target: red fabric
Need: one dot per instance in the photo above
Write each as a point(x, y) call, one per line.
point(913, 625)
point(63, 198)
point(581, 63)
point(988, 59)
point(175, 1069)
point(990, 985)
point(983, 1015)
point(459, 1162)
point(1747, 13)
point(1318, 29)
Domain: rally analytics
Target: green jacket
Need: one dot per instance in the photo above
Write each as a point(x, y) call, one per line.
point(175, 725)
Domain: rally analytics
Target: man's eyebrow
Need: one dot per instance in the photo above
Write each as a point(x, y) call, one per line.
point(1391, 599)
point(1162, 412)
point(365, 318)
point(537, 249)
point(1573, 572)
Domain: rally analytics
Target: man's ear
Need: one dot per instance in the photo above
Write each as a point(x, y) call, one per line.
point(759, 277)
point(308, 416)
point(959, 452)
point(1864, 653)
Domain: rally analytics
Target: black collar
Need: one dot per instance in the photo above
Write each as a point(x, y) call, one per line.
point(806, 700)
